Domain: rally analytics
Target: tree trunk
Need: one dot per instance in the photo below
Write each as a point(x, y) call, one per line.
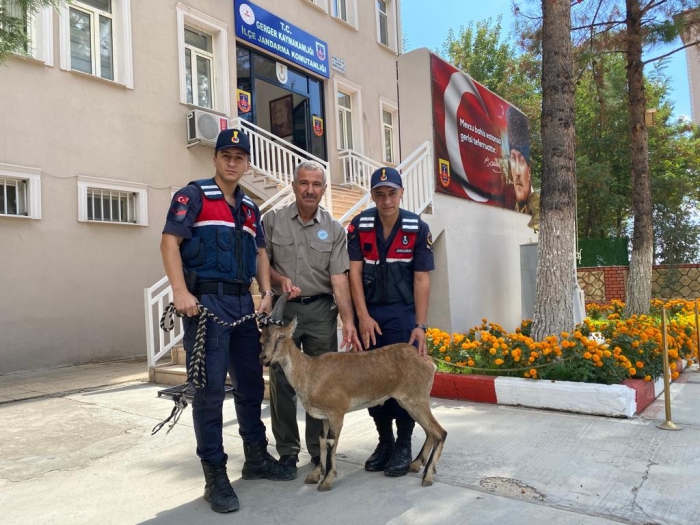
point(639, 279)
point(556, 270)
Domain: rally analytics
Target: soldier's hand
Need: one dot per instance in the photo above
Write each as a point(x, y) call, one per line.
point(368, 330)
point(186, 303)
point(418, 335)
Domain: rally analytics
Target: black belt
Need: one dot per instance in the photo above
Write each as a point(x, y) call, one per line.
point(309, 298)
point(227, 288)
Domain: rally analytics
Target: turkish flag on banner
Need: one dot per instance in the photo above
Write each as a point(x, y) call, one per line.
point(470, 131)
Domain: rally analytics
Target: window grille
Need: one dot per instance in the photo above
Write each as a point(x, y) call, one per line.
point(13, 197)
point(111, 206)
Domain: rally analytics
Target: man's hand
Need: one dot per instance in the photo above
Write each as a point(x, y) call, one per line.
point(265, 305)
point(368, 328)
point(351, 343)
point(185, 303)
point(418, 335)
point(288, 287)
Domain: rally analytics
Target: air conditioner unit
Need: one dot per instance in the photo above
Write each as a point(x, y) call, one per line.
point(203, 127)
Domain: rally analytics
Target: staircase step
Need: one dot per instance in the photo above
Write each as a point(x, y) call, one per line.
point(177, 374)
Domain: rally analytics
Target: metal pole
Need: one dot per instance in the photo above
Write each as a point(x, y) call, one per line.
point(697, 338)
point(668, 424)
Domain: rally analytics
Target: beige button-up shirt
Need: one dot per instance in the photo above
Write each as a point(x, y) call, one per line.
point(306, 253)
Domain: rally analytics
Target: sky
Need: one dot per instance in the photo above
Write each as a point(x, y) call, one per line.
point(426, 24)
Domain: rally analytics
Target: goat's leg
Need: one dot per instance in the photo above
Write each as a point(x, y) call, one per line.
point(315, 475)
point(434, 441)
point(335, 426)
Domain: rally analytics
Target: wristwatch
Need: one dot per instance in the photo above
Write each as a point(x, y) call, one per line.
point(423, 327)
point(265, 294)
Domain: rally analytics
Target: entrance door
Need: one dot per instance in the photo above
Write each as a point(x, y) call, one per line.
point(260, 83)
point(300, 119)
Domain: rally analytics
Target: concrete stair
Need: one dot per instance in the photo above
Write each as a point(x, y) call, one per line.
point(344, 198)
point(259, 187)
point(175, 372)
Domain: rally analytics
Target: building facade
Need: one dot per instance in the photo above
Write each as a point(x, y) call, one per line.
point(99, 130)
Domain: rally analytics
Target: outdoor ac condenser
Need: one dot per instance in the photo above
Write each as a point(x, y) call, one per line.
point(203, 127)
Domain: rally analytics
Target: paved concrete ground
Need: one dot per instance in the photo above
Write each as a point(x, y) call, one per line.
point(88, 457)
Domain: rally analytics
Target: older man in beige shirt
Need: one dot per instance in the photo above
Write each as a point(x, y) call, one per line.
point(309, 261)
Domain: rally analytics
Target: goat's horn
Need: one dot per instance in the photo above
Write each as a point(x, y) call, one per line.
point(278, 310)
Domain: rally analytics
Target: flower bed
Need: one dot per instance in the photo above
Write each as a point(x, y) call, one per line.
point(608, 365)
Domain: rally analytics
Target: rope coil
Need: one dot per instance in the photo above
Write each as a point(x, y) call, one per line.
point(197, 370)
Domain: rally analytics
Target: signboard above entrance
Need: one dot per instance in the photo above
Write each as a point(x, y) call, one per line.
point(260, 27)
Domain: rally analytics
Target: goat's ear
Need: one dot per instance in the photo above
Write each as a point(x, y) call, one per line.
point(291, 327)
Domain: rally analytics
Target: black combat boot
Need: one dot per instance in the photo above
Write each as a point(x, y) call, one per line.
point(401, 458)
point(218, 490)
point(381, 455)
point(260, 464)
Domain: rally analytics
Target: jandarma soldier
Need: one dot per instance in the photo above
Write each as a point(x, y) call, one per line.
point(214, 241)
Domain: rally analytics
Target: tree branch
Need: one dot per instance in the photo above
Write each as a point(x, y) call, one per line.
point(645, 62)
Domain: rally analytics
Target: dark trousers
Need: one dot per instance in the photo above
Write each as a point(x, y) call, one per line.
point(235, 351)
point(396, 322)
point(316, 333)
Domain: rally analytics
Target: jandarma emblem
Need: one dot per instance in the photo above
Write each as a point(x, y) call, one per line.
point(235, 138)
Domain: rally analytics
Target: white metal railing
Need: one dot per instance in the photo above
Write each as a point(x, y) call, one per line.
point(357, 169)
point(418, 180)
point(155, 299)
point(276, 158)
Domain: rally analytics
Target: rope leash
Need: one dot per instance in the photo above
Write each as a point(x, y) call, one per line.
point(196, 371)
point(473, 368)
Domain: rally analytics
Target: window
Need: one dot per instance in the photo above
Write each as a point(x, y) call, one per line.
point(95, 39)
point(203, 55)
point(349, 111)
point(383, 22)
point(102, 200)
point(198, 57)
point(37, 29)
point(320, 4)
point(20, 192)
point(345, 120)
point(386, 23)
point(346, 10)
point(388, 136)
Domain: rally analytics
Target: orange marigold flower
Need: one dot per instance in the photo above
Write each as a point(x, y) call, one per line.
point(675, 375)
point(516, 358)
point(533, 372)
point(639, 364)
point(673, 366)
point(498, 361)
point(632, 371)
point(635, 344)
point(470, 362)
point(647, 378)
point(465, 346)
point(587, 355)
point(596, 358)
point(607, 353)
point(492, 351)
point(448, 358)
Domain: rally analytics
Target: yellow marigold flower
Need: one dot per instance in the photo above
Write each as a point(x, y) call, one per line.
point(587, 355)
point(647, 378)
point(632, 371)
point(639, 364)
point(498, 361)
point(492, 351)
point(448, 358)
point(470, 362)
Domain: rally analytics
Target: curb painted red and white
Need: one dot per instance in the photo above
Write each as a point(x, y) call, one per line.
point(625, 400)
